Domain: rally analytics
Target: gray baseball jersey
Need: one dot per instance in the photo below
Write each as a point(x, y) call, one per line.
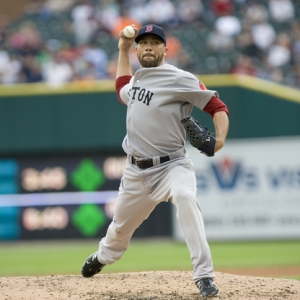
point(157, 99)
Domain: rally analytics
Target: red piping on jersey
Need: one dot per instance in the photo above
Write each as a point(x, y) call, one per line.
point(120, 82)
point(214, 104)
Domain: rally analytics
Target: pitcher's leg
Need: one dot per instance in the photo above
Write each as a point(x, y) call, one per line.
point(191, 222)
point(132, 208)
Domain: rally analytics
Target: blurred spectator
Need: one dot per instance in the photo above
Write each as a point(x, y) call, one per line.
point(256, 12)
point(84, 23)
point(68, 52)
point(281, 10)
point(216, 41)
point(26, 40)
point(296, 43)
point(9, 68)
point(4, 24)
point(121, 23)
point(136, 10)
point(263, 34)
point(228, 25)
point(222, 7)
point(12, 71)
point(241, 2)
point(245, 43)
point(280, 53)
point(244, 66)
point(33, 7)
point(84, 70)
point(161, 12)
point(4, 58)
point(183, 59)
point(111, 68)
point(50, 7)
point(174, 46)
point(57, 70)
point(270, 74)
point(135, 64)
point(97, 58)
point(276, 75)
point(31, 70)
point(297, 75)
point(107, 14)
point(176, 54)
point(190, 11)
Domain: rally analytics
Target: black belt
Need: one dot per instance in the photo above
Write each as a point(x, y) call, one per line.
point(148, 163)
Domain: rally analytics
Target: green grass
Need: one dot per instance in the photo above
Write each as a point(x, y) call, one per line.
point(256, 254)
point(60, 257)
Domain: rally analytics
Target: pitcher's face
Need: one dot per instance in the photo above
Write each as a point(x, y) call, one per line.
point(151, 51)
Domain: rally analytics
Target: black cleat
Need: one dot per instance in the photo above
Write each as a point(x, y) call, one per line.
point(91, 266)
point(207, 288)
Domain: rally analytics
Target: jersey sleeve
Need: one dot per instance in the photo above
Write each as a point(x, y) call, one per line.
point(188, 89)
point(122, 87)
point(214, 104)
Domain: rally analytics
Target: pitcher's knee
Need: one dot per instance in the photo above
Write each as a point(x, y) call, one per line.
point(183, 197)
point(116, 232)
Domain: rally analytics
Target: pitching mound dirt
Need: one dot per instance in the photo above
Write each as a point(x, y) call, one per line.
point(145, 285)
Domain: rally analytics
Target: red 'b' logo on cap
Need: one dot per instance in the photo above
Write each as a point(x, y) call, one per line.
point(149, 28)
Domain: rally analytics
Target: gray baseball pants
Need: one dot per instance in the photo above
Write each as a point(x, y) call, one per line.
point(140, 191)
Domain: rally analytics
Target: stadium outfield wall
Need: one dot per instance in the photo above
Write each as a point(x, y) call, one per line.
point(87, 117)
point(61, 162)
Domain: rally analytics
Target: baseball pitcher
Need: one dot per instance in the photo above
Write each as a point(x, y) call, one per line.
point(159, 99)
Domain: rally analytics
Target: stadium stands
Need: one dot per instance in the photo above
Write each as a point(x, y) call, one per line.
point(43, 33)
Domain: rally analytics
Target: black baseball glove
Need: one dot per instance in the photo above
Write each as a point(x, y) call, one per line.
point(198, 136)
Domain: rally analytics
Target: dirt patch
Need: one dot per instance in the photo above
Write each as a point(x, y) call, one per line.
point(165, 285)
point(291, 271)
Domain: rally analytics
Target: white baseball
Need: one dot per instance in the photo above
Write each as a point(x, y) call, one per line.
point(129, 31)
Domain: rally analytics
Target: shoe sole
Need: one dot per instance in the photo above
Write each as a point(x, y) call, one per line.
point(87, 273)
point(209, 296)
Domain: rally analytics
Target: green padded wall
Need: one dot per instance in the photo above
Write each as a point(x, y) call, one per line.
point(40, 119)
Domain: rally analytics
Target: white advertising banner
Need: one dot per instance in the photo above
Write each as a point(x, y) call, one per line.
point(249, 190)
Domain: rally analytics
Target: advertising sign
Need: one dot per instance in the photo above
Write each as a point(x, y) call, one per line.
point(56, 215)
point(50, 196)
point(249, 190)
point(70, 173)
point(70, 215)
point(66, 196)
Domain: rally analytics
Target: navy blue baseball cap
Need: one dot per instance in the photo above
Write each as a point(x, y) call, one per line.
point(151, 29)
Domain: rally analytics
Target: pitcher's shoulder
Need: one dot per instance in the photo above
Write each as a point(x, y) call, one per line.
point(179, 72)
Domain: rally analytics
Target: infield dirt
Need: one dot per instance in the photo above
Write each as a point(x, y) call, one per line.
point(165, 285)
